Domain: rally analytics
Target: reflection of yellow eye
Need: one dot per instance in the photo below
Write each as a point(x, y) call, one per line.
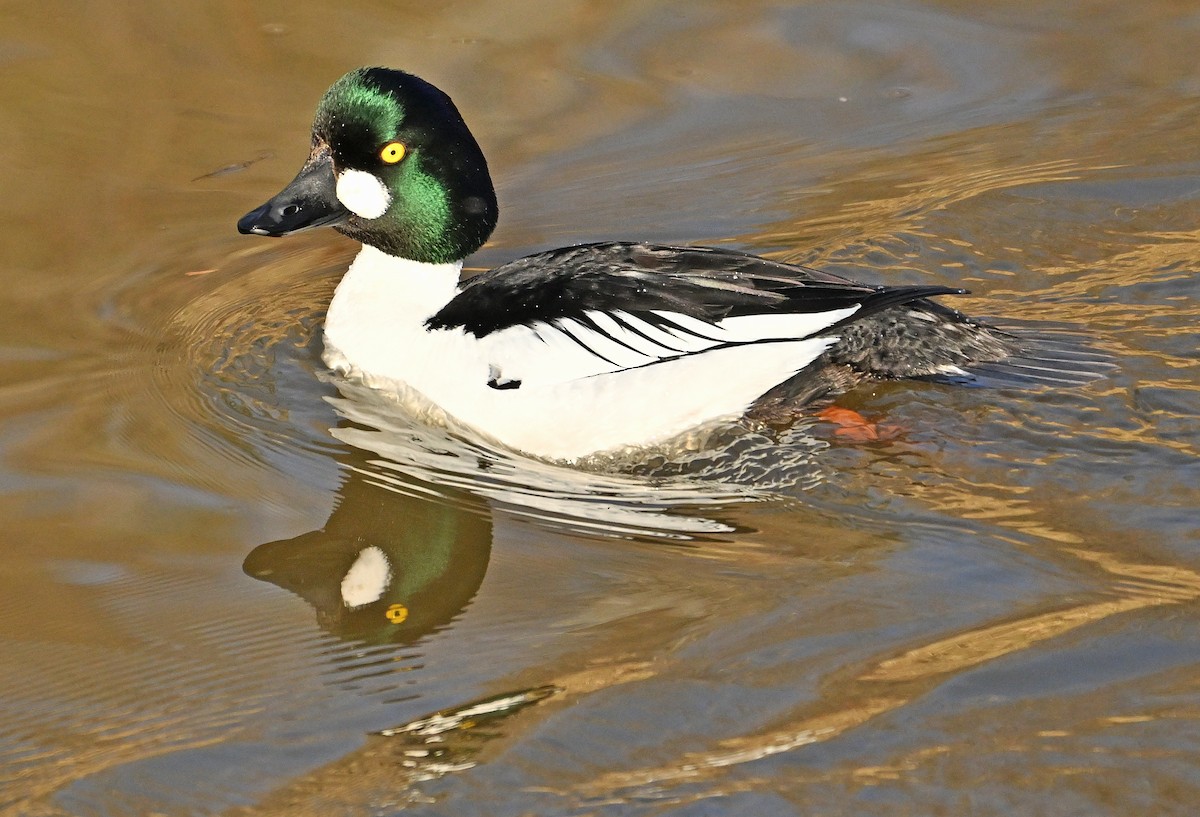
point(397, 612)
point(392, 152)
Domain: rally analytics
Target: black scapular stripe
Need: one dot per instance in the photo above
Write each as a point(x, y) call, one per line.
point(706, 283)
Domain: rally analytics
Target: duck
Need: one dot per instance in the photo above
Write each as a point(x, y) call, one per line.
point(595, 347)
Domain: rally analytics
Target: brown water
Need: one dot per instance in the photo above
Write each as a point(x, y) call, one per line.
point(995, 613)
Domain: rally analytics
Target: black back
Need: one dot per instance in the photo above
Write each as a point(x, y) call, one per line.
point(706, 283)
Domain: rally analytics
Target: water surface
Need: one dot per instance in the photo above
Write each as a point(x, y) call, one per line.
point(992, 613)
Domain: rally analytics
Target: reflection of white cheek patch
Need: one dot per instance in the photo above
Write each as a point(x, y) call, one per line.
point(363, 193)
point(367, 578)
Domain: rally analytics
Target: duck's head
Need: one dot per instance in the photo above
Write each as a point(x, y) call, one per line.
point(392, 165)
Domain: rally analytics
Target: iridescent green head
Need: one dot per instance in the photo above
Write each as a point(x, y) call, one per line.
point(392, 165)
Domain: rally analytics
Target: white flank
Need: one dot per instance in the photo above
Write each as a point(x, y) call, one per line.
point(367, 579)
point(363, 193)
point(580, 391)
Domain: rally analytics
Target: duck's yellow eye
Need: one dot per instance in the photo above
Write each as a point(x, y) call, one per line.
point(392, 152)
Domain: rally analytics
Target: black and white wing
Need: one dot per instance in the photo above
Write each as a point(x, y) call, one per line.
point(602, 308)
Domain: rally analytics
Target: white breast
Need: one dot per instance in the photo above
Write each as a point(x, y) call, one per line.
point(376, 321)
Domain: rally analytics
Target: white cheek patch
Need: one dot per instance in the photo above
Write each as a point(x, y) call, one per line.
point(367, 579)
point(363, 194)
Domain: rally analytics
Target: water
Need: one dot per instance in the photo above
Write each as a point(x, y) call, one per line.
point(992, 613)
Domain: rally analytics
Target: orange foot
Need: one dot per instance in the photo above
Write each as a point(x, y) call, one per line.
point(853, 427)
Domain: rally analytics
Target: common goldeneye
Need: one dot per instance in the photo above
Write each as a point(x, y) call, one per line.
point(592, 347)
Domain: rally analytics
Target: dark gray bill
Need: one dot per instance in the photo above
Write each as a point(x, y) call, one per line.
point(310, 200)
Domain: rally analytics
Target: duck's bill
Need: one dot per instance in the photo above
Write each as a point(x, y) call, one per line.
point(310, 200)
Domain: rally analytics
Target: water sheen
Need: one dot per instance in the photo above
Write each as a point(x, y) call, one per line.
point(231, 587)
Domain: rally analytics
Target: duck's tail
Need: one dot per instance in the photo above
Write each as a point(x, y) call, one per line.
point(927, 341)
point(1037, 354)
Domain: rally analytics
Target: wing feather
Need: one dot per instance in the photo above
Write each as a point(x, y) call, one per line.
point(594, 309)
point(705, 283)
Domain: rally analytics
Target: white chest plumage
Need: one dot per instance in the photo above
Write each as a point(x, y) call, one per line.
point(560, 389)
point(375, 326)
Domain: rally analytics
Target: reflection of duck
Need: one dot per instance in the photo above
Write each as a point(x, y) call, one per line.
point(386, 568)
point(407, 545)
point(594, 347)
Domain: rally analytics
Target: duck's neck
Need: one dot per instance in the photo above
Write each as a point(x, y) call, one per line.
point(383, 301)
point(398, 287)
